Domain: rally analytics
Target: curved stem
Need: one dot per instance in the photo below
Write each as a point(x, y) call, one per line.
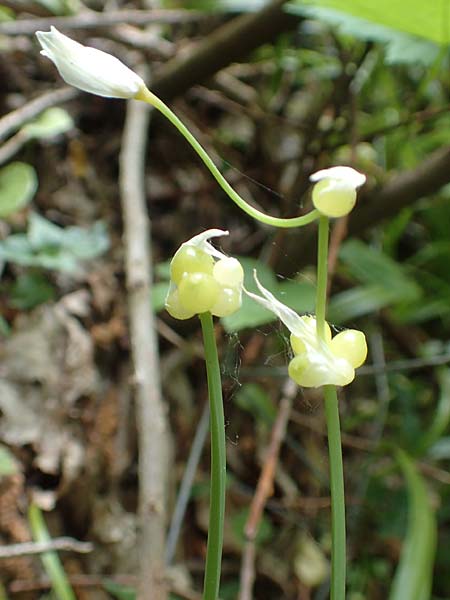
point(218, 462)
point(146, 96)
point(338, 542)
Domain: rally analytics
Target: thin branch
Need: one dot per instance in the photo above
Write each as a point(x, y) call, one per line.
point(28, 548)
point(151, 411)
point(15, 119)
point(186, 484)
point(91, 20)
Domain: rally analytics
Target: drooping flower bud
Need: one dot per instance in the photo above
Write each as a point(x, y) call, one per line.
point(89, 69)
point(202, 279)
point(334, 193)
point(317, 361)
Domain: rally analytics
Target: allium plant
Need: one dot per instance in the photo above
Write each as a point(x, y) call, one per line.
point(206, 282)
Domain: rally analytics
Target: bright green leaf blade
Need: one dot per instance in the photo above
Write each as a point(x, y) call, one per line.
point(18, 184)
point(442, 414)
point(413, 577)
point(52, 122)
point(371, 266)
point(430, 20)
point(360, 301)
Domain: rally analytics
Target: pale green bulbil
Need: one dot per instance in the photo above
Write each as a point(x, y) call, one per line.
point(198, 292)
point(332, 201)
point(228, 271)
point(175, 308)
point(228, 302)
point(189, 259)
point(350, 344)
point(334, 194)
point(297, 343)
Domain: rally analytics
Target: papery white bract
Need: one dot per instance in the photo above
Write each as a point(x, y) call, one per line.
point(203, 279)
point(334, 194)
point(89, 69)
point(315, 363)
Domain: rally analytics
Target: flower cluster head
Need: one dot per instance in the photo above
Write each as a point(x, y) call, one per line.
point(89, 69)
point(316, 361)
point(202, 279)
point(334, 193)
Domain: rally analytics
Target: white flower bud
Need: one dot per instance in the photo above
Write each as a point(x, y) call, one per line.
point(334, 194)
point(89, 69)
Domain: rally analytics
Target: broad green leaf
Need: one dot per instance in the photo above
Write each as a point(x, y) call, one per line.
point(51, 247)
point(430, 20)
point(50, 123)
point(159, 293)
point(442, 414)
point(371, 266)
point(413, 577)
point(119, 591)
point(400, 46)
point(441, 449)
point(254, 399)
point(18, 184)
point(30, 290)
point(360, 301)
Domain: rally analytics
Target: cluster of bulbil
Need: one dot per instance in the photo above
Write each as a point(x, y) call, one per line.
point(202, 279)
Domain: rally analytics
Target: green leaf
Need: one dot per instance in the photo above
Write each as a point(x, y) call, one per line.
point(159, 293)
point(425, 19)
point(48, 246)
point(441, 416)
point(254, 399)
point(360, 301)
point(50, 123)
point(371, 266)
point(413, 577)
point(18, 184)
point(8, 464)
point(30, 290)
point(119, 591)
point(401, 47)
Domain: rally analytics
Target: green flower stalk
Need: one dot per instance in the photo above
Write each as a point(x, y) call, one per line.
point(206, 282)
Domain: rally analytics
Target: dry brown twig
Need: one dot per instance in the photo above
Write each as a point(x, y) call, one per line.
point(92, 19)
point(15, 119)
point(62, 543)
point(152, 422)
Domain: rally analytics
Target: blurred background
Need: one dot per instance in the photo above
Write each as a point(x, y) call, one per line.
point(274, 91)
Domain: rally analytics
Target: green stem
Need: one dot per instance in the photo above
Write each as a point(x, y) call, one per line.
point(322, 275)
point(146, 96)
point(338, 543)
point(55, 571)
point(338, 549)
point(218, 462)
